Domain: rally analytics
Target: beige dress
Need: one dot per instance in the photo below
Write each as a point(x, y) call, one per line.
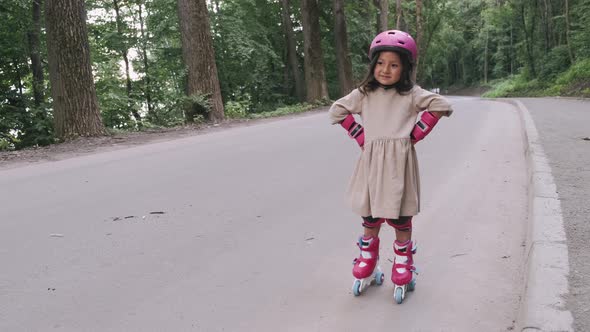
point(386, 180)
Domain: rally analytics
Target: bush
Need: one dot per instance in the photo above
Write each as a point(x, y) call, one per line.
point(579, 71)
point(555, 62)
point(291, 109)
point(516, 86)
point(197, 106)
point(239, 108)
point(573, 82)
point(21, 127)
point(6, 144)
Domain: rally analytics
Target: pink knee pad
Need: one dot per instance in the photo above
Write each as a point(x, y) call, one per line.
point(371, 222)
point(401, 224)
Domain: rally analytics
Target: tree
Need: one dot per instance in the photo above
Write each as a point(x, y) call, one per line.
point(382, 16)
point(567, 31)
point(419, 30)
point(123, 49)
point(261, 48)
point(529, 38)
point(35, 51)
point(292, 50)
point(315, 76)
point(147, 84)
point(400, 24)
point(75, 106)
point(199, 58)
point(343, 63)
point(166, 70)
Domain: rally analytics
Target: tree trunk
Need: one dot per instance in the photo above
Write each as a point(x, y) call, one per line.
point(125, 57)
point(425, 44)
point(485, 59)
point(292, 51)
point(343, 62)
point(567, 31)
point(418, 36)
point(464, 70)
point(511, 49)
point(147, 86)
point(383, 7)
point(399, 21)
point(547, 25)
point(18, 80)
point(315, 76)
point(199, 57)
point(528, 41)
point(384, 14)
point(75, 106)
point(34, 46)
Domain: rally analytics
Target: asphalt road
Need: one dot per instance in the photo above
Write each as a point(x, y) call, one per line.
point(563, 128)
point(247, 230)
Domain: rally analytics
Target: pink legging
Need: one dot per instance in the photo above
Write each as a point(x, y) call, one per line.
point(403, 223)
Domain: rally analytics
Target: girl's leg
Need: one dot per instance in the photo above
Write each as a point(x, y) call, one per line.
point(365, 264)
point(403, 228)
point(403, 264)
point(372, 231)
point(403, 236)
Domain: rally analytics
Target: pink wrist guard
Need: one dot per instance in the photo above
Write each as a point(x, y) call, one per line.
point(354, 129)
point(423, 127)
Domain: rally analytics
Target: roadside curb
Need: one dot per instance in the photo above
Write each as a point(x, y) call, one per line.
point(542, 306)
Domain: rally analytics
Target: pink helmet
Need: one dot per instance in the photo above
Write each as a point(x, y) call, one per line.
point(394, 40)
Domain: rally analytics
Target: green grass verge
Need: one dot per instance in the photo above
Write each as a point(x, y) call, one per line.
point(574, 82)
point(290, 109)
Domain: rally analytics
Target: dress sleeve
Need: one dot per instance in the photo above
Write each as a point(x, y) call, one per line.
point(349, 104)
point(426, 100)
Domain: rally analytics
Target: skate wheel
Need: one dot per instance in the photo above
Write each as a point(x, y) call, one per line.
point(379, 276)
point(398, 295)
point(412, 285)
point(356, 288)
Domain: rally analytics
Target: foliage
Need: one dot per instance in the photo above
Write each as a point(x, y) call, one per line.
point(199, 104)
point(290, 109)
point(516, 86)
point(522, 48)
point(581, 28)
point(21, 122)
point(575, 81)
point(249, 50)
point(554, 62)
point(235, 109)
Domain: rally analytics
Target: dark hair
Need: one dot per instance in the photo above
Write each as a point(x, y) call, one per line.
point(405, 82)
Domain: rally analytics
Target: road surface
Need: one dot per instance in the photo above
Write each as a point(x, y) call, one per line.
point(247, 230)
point(564, 133)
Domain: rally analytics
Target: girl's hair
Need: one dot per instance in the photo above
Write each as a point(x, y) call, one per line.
point(404, 84)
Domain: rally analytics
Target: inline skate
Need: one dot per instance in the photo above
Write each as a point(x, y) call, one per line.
point(365, 270)
point(403, 272)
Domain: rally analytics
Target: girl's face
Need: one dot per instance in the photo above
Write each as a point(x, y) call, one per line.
point(388, 69)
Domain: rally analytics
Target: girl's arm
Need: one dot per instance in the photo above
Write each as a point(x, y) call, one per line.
point(435, 107)
point(349, 104)
point(439, 114)
point(341, 112)
point(425, 100)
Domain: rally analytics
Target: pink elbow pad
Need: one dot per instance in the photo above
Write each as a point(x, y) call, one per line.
point(354, 129)
point(423, 126)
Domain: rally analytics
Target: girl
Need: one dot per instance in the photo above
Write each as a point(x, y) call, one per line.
point(385, 185)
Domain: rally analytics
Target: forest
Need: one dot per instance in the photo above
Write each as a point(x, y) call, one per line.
point(74, 68)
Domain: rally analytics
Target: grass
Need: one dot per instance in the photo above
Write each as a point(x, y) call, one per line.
point(291, 109)
point(574, 82)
